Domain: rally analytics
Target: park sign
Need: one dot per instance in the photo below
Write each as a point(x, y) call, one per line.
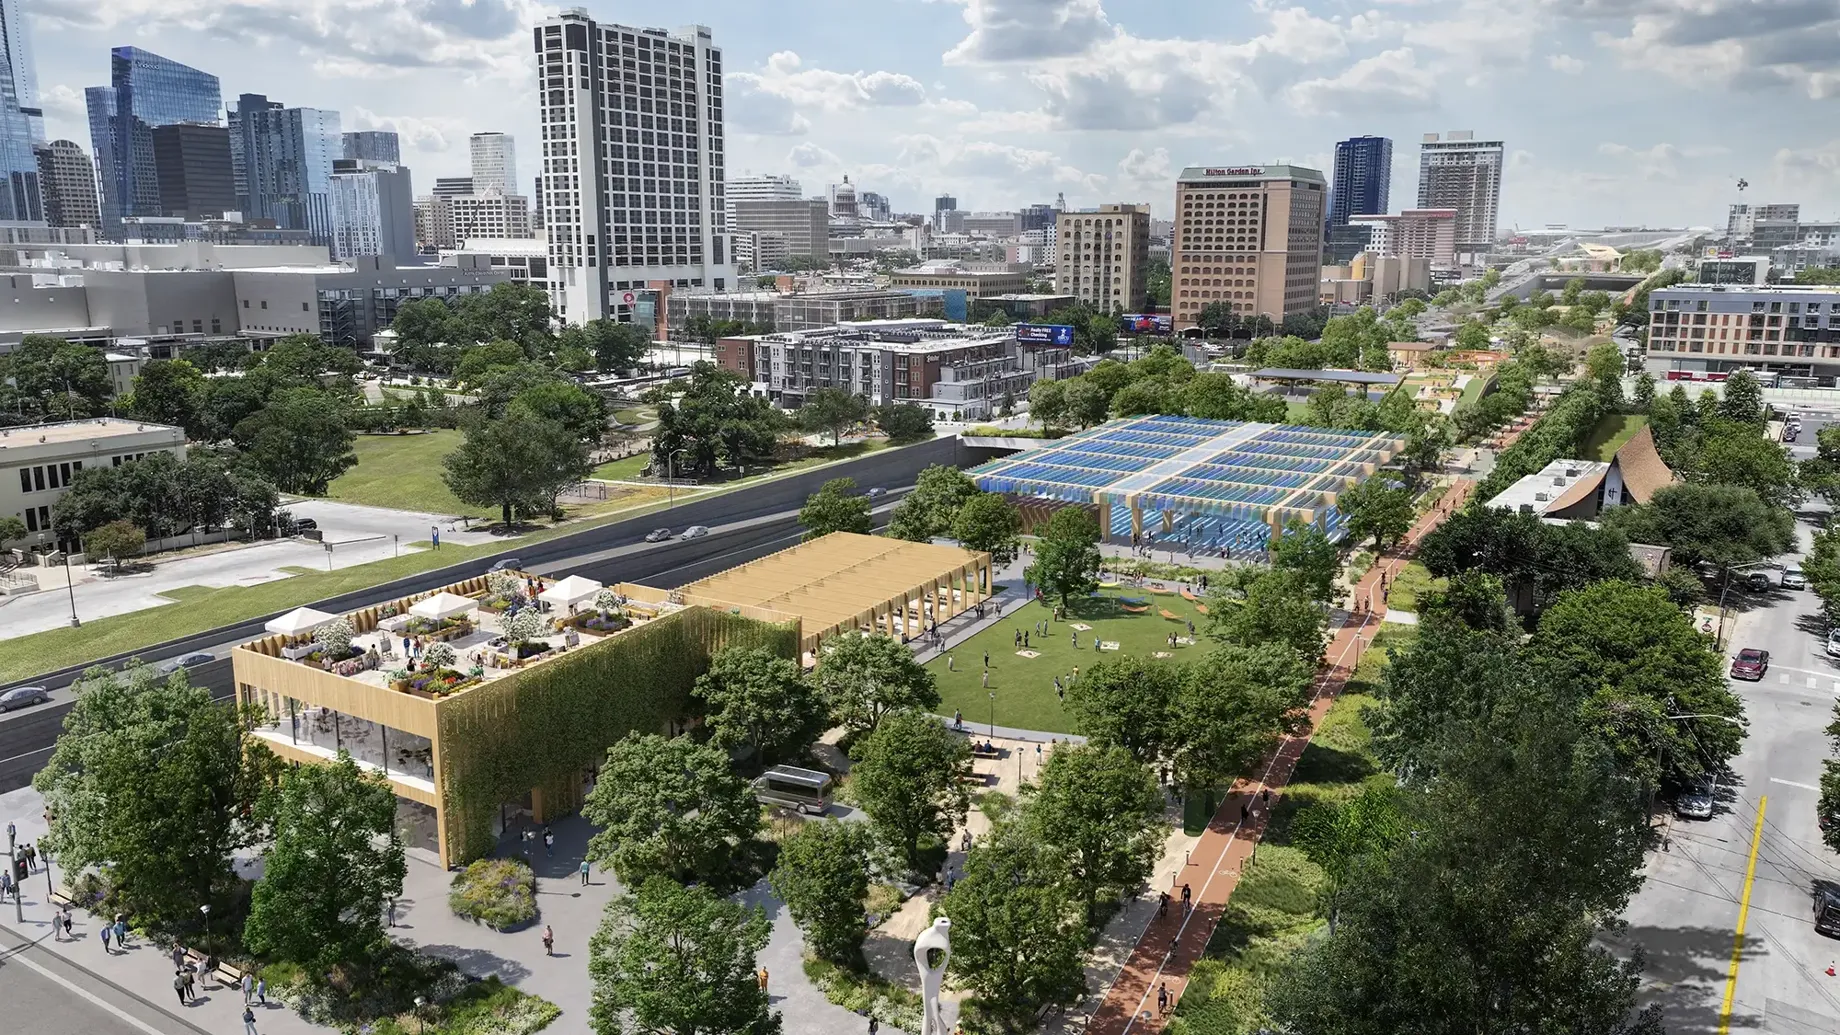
point(1045, 333)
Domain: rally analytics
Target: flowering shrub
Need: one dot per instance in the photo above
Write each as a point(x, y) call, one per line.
point(334, 638)
point(440, 655)
point(525, 625)
point(500, 893)
point(504, 585)
point(607, 602)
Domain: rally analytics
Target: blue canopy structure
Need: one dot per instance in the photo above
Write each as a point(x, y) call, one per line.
point(1201, 486)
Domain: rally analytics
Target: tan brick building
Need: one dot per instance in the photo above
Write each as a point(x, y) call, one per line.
point(1103, 257)
point(1248, 236)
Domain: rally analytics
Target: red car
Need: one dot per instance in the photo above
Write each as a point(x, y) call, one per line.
point(1750, 664)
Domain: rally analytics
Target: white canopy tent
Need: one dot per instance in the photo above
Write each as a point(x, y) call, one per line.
point(443, 605)
point(299, 622)
point(570, 591)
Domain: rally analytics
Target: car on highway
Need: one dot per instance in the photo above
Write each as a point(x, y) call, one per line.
point(696, 531)
point(658, 535)
point(23, 697)
point(187, 661)
point(1696, 801)
point(1750, 664)
point(1794, 578)
point(508, 564)
point(876, 492)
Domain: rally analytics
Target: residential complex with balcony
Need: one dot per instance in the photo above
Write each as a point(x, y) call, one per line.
point(1711, 328)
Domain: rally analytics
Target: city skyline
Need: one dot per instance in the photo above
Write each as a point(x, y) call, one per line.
point(1002, 102)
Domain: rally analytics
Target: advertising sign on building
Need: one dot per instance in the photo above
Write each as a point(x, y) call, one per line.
point(1146, 323)
point(1045, 333)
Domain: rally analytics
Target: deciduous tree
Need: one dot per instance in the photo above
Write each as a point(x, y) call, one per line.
point(990, 523)
point(757, 699)
point(671, 960)
point(836, 507)
point(823, 876)
point(1104, 810)
point(864, 677)
point(904, 422)
point(1719, 524)
point(1377, 509)
point(908, 776)
point(1066, 555)
point(668, 807)
point(1230, 710)
point(833, 410)
point(1306, 550)
point(336, 861)
point(1125, 701)
point(299, 439)
point(927, 512)
point(1250, 607)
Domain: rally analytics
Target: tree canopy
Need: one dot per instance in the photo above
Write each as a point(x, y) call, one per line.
point(668, 807)
point(836, 507)
point(674, 960)
point(863, 677)
point(756, 699)
point(711, 421)
point(1066, 555)
point(908, 776)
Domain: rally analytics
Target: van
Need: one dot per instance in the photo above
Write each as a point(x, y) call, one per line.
point(806, 790)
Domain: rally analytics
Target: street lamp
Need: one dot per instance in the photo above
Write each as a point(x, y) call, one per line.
point(206, 910)
point(70, 584)
point(993, 713)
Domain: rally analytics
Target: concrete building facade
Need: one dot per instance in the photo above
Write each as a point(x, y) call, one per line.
point(68, 179)
point(766, 187)
point(633, 146)
point(1103, 256)
point(1463, 173)
point(803, 225)
point(977, 280)
point(1249, 237)
point(373, 210)
point(1703, 328)
point(38, 463)
point(1429, 234)
point(494, 163)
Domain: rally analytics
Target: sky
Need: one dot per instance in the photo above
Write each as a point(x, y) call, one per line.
point(1614, 112)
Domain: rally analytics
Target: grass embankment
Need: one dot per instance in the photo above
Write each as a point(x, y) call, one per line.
point(1024, 687)
point(1412, 581)
point(793, 457)
point(1610, 434)
point(403, 472)
point(1273, 911)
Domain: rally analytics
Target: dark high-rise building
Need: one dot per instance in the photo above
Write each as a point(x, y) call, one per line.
point(452, 186)
point(192, 166)
point(1036, 217)
point(67, 178)
point(1363, 179)
point(145, 91)
point(282, 161)
point(373, 145)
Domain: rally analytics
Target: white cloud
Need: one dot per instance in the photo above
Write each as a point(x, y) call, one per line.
point(1151, 167)
point(785, 77)
point(810, 156)
point(1750, 44)
point(62, 102)
point(1391, 80)
point(421, 134)
point(1029, 30)
point(1564, 63)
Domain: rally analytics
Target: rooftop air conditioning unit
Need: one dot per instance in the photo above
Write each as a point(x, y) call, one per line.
point(1542, 497)
point(1558, 479)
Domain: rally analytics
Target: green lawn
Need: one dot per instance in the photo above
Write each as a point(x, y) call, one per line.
point(635, 415)
point(1296, 412)
point(403, 472)
point(1025, 686)
point(1610, 434)
point(1404, 589)
point(625, 469)
point(799, 458)
point(1472, 391)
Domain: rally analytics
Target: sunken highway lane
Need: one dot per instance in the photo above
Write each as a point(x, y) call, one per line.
point(744, 525)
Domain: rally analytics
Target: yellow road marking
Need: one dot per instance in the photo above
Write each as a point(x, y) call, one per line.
point(1744, 912)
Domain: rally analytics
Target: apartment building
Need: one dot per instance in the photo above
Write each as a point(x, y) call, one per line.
point(1462, 173)
point(1102, 256)
point(1786, 329)
point(1249, 237)
point(38, 463)
point(977, 280)
point(957, 371)
point(1416, 233)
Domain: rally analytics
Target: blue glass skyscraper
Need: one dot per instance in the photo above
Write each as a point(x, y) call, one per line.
point(21, 122)
point(145, 91)
point(21, 67)
point(1363, 178)
point(282, 161)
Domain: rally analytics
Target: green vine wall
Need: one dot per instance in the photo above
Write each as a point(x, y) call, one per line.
point(540, 728)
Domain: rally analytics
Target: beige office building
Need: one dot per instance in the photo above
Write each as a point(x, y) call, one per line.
point(1249, 237)
point(41, 460)
point(976, 280)
point(1416, 233)
point(1103, 256)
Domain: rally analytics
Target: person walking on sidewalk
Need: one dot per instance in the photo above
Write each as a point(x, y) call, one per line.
point(1162, 904)
point(549, 941)
point(249, 988)
point(179, 986)
point(584, 873)
point(107, 933)
point(262, 991)
point(249, 1021)
point(549, 843)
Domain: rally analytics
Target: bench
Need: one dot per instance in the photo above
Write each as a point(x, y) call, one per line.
point(986, 751)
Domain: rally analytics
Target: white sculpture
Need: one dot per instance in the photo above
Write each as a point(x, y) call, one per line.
point(938, 936)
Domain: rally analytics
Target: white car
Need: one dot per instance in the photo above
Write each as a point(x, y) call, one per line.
point(1833, 644)
point(1793, 578)
point(696, 531)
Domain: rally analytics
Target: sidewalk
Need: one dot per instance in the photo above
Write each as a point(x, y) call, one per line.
point(1171, 945)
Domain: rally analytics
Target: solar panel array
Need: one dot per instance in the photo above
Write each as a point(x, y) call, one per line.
point(1215, 482)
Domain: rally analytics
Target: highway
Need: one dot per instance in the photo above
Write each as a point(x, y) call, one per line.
point(744, 525)
point(1686, 915)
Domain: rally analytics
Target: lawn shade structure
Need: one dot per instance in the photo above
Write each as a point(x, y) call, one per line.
point(1207, 487)
point(570, 591)
point(298, 622)
point(442, 605)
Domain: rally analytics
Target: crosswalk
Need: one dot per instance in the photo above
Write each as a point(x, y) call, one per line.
point(1823, 683)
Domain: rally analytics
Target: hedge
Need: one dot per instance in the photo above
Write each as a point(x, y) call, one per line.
point(1559, 433)
point(541, 727)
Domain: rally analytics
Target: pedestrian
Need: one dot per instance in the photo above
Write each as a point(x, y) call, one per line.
point(191, 982)
point(249, 1021)
point(1018, 638)
point(1186, 899)
point(1074, 635)
point(549, 843)
point(249, 988)
point(1162, 997)
point(406, 652)
point(584, 873)
point(262, 991)
point(179, 987)
point(986, 659)
point(121, 930)
point(874, 1026)
point(1265, 794)
point(107, 933)
point(958, 719)
point(763, 979)
point(986, 679)
point(1245, 810)
point(1025, 641)
point(951, 663)
point(391, 918)
point(1162, 904)
point(1075, 677)
point(549, 941)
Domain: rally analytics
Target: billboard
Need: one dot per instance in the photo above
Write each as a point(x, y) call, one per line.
point(1045, 333)
point(1146, 323)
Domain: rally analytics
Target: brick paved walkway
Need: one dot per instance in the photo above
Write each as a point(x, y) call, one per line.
point(1171, 945)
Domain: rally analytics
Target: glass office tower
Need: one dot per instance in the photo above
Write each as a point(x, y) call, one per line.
point(145, 91)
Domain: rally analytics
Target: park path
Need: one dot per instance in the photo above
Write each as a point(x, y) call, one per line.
point(1170, 945)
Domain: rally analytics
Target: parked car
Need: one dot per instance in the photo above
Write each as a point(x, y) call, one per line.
point(305, 525)
point(1696, 801)
point(1794, 578)
point(1833, 643)
point(187, 661)
point(658, 535)
point(23, 697)
point(1827, 909)
point(1750, 664)
point(1757, 581)
point(508, 564)
point(696, 531)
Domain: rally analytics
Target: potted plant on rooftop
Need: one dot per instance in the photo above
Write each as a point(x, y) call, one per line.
point(521, 632)
point(606, 616)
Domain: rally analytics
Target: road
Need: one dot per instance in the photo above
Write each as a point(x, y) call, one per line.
point(1685, 916)
point(49, 995)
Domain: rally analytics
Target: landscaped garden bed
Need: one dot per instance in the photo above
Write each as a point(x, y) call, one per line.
point(500, 893)
point(596, 622)
point(437, 682)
